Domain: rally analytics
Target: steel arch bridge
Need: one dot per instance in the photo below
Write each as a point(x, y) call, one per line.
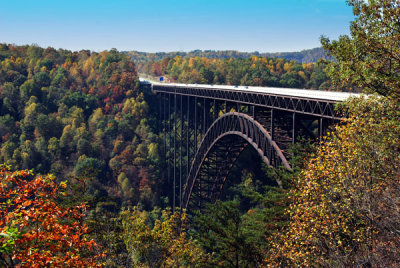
point(205, 128)
point(222, 144)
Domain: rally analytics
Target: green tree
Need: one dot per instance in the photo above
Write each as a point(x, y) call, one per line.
point(222, 230)
point(10, 97)
point(165, 245)
point(28, 89)
point(54, 148)
point(370, 58)
point(240, 238)
point(89, 167)
point(126, 187)
point(42, 79)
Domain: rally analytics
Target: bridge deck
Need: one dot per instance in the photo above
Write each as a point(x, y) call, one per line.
point(309, 102)
point(291, 92)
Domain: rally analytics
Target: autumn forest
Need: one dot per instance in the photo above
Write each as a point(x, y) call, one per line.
point(81, 153)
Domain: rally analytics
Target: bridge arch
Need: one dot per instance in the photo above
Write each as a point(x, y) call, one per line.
point(233, 131)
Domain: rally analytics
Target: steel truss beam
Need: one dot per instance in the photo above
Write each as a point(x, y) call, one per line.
point(309, 106)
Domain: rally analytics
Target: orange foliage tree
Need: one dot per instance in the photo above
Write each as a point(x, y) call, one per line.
point(35, 230)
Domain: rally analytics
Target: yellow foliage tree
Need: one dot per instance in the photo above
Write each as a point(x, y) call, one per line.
point(165, 245)
point(346, 203)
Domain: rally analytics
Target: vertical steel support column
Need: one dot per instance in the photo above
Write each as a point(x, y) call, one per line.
point(253, 112)
point(160, 112)
point(163, 127)
point(215, 115)
point(187, 136)
point(204, 117)
point(216, 175)
point(272, 124)
point(180, 154)
point(294, 128)
point(165, 124)
point(195, 143)
point(174, 183)
point(169, 138)
point(195, 125)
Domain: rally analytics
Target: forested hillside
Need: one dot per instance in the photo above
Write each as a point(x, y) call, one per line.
point(304, 56)
point(81, 117)
point(253, 71)
point(78, 114)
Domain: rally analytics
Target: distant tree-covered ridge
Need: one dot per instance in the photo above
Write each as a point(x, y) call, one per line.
point(253, 71)
point(304, 56)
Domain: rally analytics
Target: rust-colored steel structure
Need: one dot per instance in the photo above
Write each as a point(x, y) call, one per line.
point(205, 128)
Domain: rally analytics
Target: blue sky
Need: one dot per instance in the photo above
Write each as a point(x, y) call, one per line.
point(173, 25)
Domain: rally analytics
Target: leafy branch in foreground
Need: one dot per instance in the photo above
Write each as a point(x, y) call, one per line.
point(370, 58)
point(35, 230)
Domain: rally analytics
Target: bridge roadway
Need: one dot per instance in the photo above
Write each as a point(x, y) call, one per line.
point(201, 145)
point(305, 101)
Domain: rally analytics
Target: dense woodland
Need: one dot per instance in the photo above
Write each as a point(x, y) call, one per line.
point(81, 183)
point(77, 113)
point(79, 116)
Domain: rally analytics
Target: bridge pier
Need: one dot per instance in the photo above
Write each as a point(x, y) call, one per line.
point(195, 124)
point(169, 138)
point(187, 135)
point(174, 166)
point(180, 151)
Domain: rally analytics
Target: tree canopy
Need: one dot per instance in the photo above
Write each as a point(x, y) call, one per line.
point(369, 58)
